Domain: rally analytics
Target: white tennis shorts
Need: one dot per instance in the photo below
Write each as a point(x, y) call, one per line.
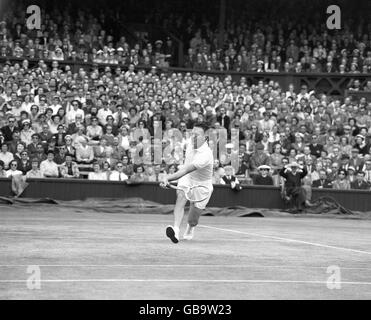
point(186, 181)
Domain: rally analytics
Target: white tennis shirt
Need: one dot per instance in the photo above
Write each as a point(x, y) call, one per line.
point(203, 159)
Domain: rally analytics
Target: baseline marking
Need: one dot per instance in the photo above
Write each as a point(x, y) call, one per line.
point(175, 266)
point(189, 280)
point(287, 239)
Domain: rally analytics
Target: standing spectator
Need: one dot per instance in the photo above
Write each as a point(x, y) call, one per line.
point(293, 184)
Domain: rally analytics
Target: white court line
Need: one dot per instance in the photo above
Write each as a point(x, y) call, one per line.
point(175, 266)
point(288, 240)
point(191, 280)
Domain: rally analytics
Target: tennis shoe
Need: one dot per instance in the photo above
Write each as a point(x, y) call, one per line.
point(173, 234)
point(188, 234)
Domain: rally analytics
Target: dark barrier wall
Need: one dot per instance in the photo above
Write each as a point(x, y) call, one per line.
point(223, 196)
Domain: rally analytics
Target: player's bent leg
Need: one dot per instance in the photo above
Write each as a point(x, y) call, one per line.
point(194, 215)
point(193, 218)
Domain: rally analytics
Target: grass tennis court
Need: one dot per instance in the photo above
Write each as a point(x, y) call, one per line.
point(89, 255)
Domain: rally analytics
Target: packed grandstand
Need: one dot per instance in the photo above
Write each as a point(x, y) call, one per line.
point(87, 97)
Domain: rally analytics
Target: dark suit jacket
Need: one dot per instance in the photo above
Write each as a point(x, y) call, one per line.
point(363, 186)
point(227, 121)
point(24, 167)
point(8, 134)
point(324, 183)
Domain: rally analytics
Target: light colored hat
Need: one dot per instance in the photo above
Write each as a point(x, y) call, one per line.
point(120, 49)
point(293, 164)
point(264, 166)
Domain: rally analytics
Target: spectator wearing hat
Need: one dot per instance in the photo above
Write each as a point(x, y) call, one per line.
point(69, 168)
point(361, 144)
point(24, 163)
point(294, 174)
point(341, 182)
point(344, 162)
point(355, 160)
point(258, 158)
point(351, 174)
point(322, 182)
point(360, 183)
point(35, 171)
point(48, 167)
point(263, 178)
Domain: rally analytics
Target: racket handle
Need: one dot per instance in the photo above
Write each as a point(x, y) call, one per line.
point(172, 186)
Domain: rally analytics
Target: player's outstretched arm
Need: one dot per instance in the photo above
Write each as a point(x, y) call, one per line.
point(177, 175)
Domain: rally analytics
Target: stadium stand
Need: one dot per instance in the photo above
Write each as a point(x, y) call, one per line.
point(81, 99)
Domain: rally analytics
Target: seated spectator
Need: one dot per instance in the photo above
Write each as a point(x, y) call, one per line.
point(322, 182)
point(341, 182)
point(106, 170)
point(219, 173)
point(139, 175)
point(35, 171)
point(5, 156)
point(13, 170)
point(84, 152)
point(60, 157)
point(149, 173)
point(118, 174)
point(258, 158)
point(367, 171)
point(351, 174)
point(24, 163)
point(230, 179)
point(2, 171)
point(263, 178)
point(48, 167)
point(97, 173)
point(69, 169)
point(360, 183)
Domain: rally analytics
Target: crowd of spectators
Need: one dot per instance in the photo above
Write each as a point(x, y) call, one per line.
point(282, 39)
point(95, 125)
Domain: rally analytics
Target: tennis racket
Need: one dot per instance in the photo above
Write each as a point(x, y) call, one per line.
point(196, 193)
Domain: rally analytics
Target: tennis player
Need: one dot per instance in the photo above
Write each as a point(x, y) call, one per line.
point(197, 170)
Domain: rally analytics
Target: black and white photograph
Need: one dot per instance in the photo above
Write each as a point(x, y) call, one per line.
point(185, 154)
